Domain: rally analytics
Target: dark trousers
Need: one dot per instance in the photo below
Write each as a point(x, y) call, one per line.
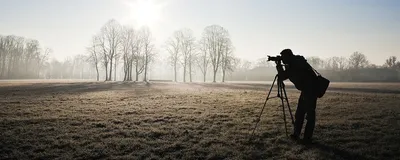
point(306, 105)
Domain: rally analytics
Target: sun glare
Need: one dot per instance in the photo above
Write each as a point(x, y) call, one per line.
point(145, 12)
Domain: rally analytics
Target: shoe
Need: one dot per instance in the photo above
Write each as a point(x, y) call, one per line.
point(294, 137)
point(307, 141)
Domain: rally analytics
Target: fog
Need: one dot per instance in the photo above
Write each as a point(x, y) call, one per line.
point(24, 58)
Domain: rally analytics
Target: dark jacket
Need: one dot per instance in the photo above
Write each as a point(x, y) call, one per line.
point(300, 73)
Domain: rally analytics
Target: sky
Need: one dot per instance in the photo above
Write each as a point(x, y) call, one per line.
point(258, 28)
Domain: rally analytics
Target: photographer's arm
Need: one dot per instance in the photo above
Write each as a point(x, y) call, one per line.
point(283, 75)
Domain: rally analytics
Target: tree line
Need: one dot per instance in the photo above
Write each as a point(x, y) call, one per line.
point(22, 58)
point(355, 68)
point(25, 58)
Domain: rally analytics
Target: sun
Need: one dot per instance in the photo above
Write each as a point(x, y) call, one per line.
point(145, 12)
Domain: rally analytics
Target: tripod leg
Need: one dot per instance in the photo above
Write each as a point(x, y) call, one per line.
point(262, 110)
point(283, 106)
point(287, 101)
point(272, 85)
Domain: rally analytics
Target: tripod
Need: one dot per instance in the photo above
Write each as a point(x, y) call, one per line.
point(282, 95)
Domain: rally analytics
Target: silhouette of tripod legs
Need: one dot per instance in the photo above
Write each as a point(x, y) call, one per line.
point(281, 95)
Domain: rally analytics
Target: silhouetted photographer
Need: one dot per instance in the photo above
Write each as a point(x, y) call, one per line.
point(312, 86)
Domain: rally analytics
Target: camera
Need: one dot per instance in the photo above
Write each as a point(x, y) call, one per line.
point(276, 58)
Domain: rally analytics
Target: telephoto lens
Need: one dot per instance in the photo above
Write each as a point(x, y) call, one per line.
point(277, 58)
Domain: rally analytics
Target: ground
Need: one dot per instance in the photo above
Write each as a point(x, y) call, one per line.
point(116, 120)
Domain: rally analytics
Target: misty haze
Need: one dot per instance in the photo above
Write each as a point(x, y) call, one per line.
point(177, 79)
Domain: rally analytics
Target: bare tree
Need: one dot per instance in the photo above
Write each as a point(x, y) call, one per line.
point(148, 49)
point(138, 58)
point(263, 62)
point(117, 58)
point(110, 33)
point(132, 53)
point(316, 62)
point(244, 65)
point(79, 66)
point(203, 60)
point(358, 60)
point(94, 56)
point(336, 63)
point(187, 51)
point(191, 49)
point(215, 36)
point(391, 61)
point(342, 62)
point(127, 38)
point(104, 51)
point(43, 58)
point(173, 47)
point(228, 59)
point(33, 54)
point(17, 56)
point(332, 63)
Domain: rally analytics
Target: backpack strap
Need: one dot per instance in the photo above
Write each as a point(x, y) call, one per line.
point(315, 71)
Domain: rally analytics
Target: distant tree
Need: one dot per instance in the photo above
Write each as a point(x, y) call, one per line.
point(358, 60)
point(138, 56)
point(111, 39)
point(391, 62)
point(335, 63)
point(316, 62)
point(228, 59)
point(342, 63)
point(397, 66)
point(215, 38)
point(148, 49)
point(191, 45)
point(244, 65)
point(94, 55)
point(67, 68)
point(173, 48)
point(33, 54)
point(373, 66)
point(263, 62)
point(127, 38)
point(79, 66)
point(16, 56)
point(55, 71)
point(117, 59)
point(203, 58)
point(331, 63)
point(187, 51)
point(43, 58)
point(104, 52)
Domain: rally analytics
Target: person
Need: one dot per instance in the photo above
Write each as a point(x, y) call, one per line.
point(302, 75)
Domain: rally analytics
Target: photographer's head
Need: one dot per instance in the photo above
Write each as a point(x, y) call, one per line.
point(286, 54)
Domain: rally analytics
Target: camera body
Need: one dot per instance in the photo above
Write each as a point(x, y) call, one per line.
point(278, 61)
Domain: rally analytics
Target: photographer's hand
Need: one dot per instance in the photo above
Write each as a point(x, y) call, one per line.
point(281, 73)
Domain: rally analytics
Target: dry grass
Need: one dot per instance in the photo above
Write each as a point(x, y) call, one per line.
point(89, 120)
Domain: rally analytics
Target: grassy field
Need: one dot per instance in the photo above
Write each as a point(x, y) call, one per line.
point(90, 120)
